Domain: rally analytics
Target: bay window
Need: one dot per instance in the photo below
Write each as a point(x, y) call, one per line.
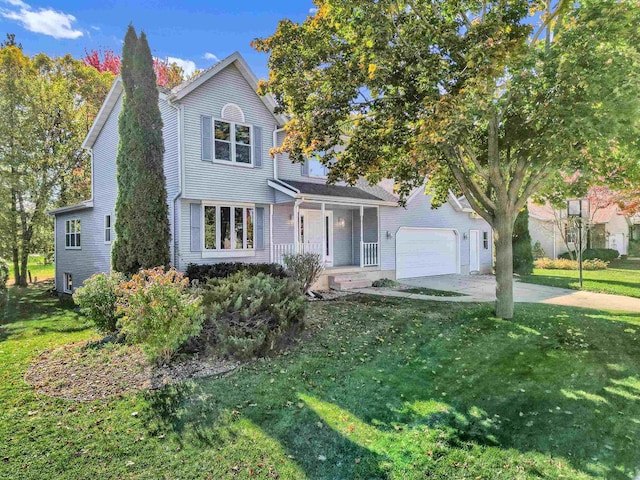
point(228, 228)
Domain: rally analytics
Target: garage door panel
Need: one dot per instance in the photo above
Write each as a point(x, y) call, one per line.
point(423, 252)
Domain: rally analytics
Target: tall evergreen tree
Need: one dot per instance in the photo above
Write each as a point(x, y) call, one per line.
point(142, 225)
point(522, 250)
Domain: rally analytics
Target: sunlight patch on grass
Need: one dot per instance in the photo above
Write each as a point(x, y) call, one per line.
point(630, 382)
point(622, 393)
point(582, 395)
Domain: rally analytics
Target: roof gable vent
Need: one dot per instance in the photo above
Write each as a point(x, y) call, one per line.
point(232, 113)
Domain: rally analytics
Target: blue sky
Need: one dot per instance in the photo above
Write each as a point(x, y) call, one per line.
point(194, 32)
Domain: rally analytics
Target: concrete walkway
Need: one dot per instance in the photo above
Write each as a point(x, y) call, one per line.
point(482, 288)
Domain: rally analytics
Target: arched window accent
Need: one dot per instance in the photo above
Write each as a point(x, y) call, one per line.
point(232, 113)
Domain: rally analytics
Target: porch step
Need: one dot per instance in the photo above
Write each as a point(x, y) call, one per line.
point(348, 281)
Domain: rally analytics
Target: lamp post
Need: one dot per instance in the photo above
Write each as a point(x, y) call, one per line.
point(576, 209)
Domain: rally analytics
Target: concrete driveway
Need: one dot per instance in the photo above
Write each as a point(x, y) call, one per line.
point(482, 288)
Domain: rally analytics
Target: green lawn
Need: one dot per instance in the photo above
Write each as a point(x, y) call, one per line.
point(621, 278)
point(38, 270)
point(381, 388)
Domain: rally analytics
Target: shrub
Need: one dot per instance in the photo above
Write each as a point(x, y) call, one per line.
point(252, 314)
point(159, 312)
point(304, 268)
point(566, 264)
point(521, 242)
point(98, 299)
point(606, 254)
point(202, 273)
point(537, 250)
point(385, 282)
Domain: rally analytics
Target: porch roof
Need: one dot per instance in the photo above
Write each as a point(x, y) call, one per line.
point(319, 191)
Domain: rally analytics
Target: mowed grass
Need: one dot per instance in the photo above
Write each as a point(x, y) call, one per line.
point(621, 278)
point(380, 388)
point(38, 271)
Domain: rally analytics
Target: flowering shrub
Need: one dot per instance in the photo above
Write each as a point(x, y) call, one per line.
point(159, 312)
point(565, 264)
point(98, 298)
point(252, 314)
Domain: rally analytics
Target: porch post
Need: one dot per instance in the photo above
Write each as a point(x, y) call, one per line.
point(296, 224)
point(324, 234)
point(271, 232)
point(361, 236)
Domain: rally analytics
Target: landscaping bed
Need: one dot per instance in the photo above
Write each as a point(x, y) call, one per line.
point(91, 370)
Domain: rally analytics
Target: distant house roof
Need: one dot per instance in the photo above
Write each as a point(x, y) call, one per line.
point(604, 215)
point(541, 212)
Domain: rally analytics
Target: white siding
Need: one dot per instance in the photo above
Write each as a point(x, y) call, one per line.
point(419, 214)
point(95, 254)
point(545, 232)
point(215, 181)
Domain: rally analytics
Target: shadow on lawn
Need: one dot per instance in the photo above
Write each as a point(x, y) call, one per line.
point(555, 381)
point(25, 307)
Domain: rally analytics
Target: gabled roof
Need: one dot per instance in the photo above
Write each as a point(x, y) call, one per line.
point(241, 64)
point(541, 212)
point(103, 114)
point(604, 215)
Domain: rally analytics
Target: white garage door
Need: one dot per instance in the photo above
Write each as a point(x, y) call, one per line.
point(421, 252)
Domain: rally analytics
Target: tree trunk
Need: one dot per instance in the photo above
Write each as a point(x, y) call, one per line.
point(24, 260)
point(503, 234)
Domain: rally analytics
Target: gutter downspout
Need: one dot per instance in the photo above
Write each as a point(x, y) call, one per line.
point(174, 200)
point(275, 157)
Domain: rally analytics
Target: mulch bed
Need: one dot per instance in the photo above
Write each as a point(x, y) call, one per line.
point(86, 372)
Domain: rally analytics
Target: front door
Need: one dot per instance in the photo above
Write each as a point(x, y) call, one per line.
point(311, 234)
point(474, 250)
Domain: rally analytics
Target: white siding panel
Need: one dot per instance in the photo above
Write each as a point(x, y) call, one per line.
point(215, 181)
point(95, 255)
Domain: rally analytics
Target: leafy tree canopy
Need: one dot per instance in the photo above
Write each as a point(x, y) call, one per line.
point(499, 100)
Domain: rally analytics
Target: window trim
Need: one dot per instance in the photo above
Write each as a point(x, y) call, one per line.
point(77, 232)
point(65, 282)
point(228, 252)
point(232, 141)
point(110, 229)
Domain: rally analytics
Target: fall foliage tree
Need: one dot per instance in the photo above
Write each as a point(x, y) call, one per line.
point(47, 106)
point(168, 74)
point(142, 216)
point(497, 100)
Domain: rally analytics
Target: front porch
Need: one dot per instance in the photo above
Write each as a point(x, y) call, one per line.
point(343, 234)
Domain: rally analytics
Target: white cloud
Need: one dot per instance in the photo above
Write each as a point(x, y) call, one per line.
point(188, 66)
point(313, 10)
point(46, 21)
point(210, 56)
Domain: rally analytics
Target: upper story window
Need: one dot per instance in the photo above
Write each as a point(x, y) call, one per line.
point(232, 142)
point(317, 169)
point(72, 234)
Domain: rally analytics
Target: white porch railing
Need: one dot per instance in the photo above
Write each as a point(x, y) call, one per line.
point(282, 249)
point(370, 254)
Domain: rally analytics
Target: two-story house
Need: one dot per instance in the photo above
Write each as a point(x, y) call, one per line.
point(230, 200)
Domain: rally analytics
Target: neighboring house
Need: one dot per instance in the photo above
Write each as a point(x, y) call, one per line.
point(229, 200)
point(609, 229)
point(544, 227)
